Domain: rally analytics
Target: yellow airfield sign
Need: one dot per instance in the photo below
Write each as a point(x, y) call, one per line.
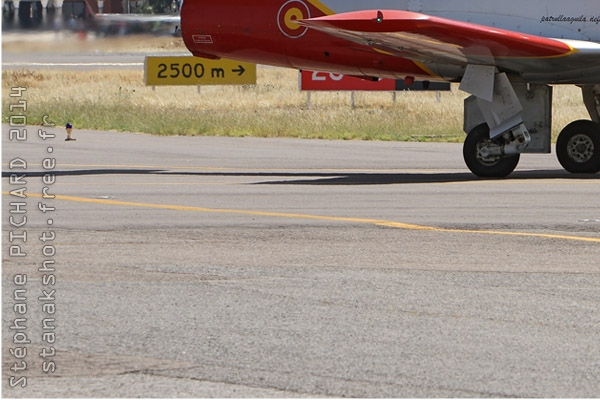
point(161, 71)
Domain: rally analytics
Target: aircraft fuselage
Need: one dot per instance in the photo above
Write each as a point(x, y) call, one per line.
point(264, 32)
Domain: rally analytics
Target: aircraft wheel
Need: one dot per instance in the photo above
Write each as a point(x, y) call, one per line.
point(8, 11)
point(30, 14)
point(489, 166)
point(578, 147)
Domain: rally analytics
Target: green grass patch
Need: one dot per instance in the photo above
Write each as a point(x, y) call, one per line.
point(118, 101)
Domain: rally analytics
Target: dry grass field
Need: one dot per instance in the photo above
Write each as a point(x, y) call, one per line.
point(118, 100)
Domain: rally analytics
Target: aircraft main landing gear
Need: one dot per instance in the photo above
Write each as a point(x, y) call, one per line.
point(578, 147)
point(485, 157)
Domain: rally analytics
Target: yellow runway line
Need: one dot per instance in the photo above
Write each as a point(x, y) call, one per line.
point(376, 222)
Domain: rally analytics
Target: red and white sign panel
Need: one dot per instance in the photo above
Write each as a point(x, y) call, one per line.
point(328, 81)
point(313, 80)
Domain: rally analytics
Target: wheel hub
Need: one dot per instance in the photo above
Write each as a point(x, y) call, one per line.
point(488, 152)
point(581, 148)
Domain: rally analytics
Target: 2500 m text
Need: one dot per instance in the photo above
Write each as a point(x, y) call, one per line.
point(175, 70)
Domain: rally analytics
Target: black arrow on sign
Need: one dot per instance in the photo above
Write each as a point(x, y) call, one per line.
point(240, 70)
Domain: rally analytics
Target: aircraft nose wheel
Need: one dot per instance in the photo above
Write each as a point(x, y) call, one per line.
point(478, 159)
point(578, 147)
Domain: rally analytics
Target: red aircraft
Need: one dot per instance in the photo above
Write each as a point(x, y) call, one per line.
point(505, 54)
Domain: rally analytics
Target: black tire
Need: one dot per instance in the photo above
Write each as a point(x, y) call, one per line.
point(8, 11)
point(30, 14)
point(490, 167)
point(578, 147)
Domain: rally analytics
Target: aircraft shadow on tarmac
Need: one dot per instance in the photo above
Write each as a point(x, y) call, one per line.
point(407, 178)
point(333, 178)
point(82, 172)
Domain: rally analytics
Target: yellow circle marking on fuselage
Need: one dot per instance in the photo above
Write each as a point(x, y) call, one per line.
point(292, 15)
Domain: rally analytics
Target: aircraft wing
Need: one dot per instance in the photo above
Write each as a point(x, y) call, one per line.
point(138, 23)
point(433, 41)
point(116, 18)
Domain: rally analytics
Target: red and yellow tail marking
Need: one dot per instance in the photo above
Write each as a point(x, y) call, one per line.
point(295, 10)
point(321, 7)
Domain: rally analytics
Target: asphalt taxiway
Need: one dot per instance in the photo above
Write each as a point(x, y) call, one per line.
point(243, 267)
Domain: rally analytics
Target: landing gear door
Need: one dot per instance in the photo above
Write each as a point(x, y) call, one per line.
point(537, 115)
